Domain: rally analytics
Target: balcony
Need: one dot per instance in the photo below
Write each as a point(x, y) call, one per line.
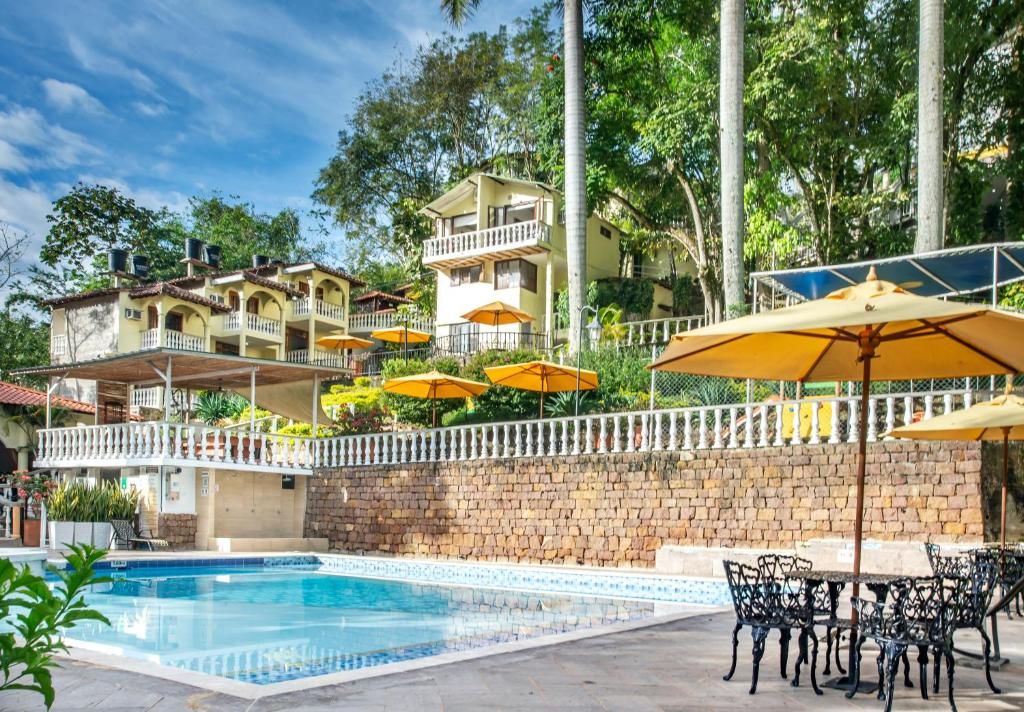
point(153, 399)
point(365, 323)
point(504, 241)
point(255, 325)
point(301, 309)
point(318, 357)
point(172, 340)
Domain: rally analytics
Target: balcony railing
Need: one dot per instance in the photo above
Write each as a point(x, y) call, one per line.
point(737, 426)
point(153, 398)
point(325, 310)
point(254, 324)
point(172, 340)
point(58, 344)
point(659, 331)
point(531, 233)
point(365, 323)
point(318, 357)
point(161, 443)
point(462, 344)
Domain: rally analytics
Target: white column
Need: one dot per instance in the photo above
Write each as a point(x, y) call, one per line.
point(167, 390)
point(252, 400)
point(316, 402)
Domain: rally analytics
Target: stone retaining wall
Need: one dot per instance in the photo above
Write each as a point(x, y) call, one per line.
point(178, 529)
point(619, 509)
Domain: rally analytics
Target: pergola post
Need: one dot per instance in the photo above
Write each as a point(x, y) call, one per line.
point(316, 402)
point(252, 400)
point(49, 397)
point(168, 398)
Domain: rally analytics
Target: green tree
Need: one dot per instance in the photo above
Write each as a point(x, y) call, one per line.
point(26, 343)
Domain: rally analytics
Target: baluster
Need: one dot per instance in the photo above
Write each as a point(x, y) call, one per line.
point(645, 432)
point(379, 452)
point(552, 439)
point(748, 426)
point(588, 435)
point(947, 402)
point(602, 445)
point(733, 418)
point(762, 431)
point(264, 454)
point(872, 420)
point(630, 433)
point(505, 444)
point(833, 436)
point(702, 432)
point(815, 437)
point(796, 440)
point(529, 438)
point(540, 439)
point(854, 433)
point(778, 425)
point(687, 431)
point(718, 429)
point(462, 443)
point(890, 415)
point(929, 402)
point(908, 410)
point(672, 430)
point(616, 438)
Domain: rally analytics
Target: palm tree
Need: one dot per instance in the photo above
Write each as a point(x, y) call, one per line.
point(457, 12)
point(930, 209)
point(730, 103)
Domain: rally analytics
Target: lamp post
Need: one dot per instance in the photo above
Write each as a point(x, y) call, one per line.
point(594, 333)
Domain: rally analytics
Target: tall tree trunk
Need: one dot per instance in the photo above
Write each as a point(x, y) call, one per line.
point(930, 219)
point(575, 168)
point(730, 102)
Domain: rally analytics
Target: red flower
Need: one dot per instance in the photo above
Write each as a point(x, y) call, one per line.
point(38, 496)
point(22, 494)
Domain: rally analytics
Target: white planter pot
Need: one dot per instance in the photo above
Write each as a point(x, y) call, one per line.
point(102, 532)
point(60, 534)
point(83, 532)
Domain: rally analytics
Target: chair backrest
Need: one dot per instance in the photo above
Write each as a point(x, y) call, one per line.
point(123, 530)
point(933, 552)
point(924, 610)
point(775, 565)
point(748, 590)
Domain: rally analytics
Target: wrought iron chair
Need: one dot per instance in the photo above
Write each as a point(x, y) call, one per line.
point(921, 613)
point(1009, 564)
point(970, 603)
point(763, 603)
point(125, 534)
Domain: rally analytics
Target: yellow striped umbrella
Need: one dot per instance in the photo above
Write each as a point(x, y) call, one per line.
point(542, 377)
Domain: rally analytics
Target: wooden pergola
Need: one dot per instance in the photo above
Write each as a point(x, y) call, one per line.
point(187, 369)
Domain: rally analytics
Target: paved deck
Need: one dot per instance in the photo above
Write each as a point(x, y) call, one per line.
point(676, 667)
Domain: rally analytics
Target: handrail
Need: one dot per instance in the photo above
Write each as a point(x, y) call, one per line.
point(487, 240)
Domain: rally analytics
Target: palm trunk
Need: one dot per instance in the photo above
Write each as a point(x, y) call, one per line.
point(929, 129)
point(575, 168)
point(730, 100)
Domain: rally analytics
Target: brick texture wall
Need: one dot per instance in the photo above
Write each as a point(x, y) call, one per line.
point(178, 529)
point(619, 509)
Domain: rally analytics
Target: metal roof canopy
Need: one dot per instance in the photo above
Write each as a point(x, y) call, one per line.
point(943, 273)
point(192, 369)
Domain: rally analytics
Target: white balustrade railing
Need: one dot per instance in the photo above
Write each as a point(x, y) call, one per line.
point(331, 359)
point(743, 425)
point(302, 308)
point(659, 331)
point(58, 344)
point(492, 239)
point(172, 340)
point(158, 442)
point(254, 324)
point(358, 323)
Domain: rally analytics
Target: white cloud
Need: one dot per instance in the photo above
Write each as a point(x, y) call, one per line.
point(26, 208)
point(96, 61)
point(71, 97)
point(38, 144)
point(150, 109)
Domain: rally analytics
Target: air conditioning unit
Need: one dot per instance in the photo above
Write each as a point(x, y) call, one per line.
point(133, 314)
point(217, 298)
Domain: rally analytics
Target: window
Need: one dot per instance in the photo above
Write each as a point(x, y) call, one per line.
point(234, 302)
point(459, 223)
point(296, 339)
point(252, 305)
point(606, 232)
point(509, 214)
point(153, 317)
point(465, 275)
point(222, 347)
point(173, 321)
point(515, 273)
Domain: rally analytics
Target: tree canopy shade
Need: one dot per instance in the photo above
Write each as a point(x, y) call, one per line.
point(460, 105)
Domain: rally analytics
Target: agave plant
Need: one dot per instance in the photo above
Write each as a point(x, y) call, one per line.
point(215, 407)
point(77, 501)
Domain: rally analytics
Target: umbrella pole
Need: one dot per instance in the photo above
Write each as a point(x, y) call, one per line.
point(858, 524)
point(1002, 510)
point(542, 405)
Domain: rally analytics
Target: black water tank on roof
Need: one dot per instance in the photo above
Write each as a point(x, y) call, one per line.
point(117, 260)
point(260, 260)
point(193, 248)
point(140, 266)
point(212, 253)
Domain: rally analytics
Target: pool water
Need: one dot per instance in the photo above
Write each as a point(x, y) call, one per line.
point(269, 625)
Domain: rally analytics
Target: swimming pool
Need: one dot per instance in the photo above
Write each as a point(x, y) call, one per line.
point(265, 624)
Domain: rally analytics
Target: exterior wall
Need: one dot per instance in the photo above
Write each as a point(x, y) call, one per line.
point(602, 252)
point(91, 329)
point(253, 504)
point(178, 529)
point(620, 509)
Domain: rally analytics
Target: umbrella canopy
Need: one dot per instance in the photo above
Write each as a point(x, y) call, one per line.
point(542, 377)
point(343, 341)
point(401, 335)
point(1000, 419)
point(497, 313)
point(874, 329)
point(433, 386)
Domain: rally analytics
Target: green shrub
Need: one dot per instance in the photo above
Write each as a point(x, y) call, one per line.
point(216, 407)
point(36, 615)
point(362, 396)
point(417, 411)
point(623, 381)
point(77, 501)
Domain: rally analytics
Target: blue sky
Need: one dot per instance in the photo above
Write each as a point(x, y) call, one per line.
point(169, 99)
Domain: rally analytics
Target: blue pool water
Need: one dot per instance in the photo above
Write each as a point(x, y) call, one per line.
point(265, 625)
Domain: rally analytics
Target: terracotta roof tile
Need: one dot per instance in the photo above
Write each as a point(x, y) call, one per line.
point(152, 290)
point(13, 394)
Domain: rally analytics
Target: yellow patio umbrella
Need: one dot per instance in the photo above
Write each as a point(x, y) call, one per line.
point(497, 313)
point(542, 377)
point(401, 335)
point(1000, 419)
point(343, 341)
point(432, 386)
point(874, 329)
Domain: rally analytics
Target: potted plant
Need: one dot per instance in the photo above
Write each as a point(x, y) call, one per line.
point(33, 490)
point(80, 513)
